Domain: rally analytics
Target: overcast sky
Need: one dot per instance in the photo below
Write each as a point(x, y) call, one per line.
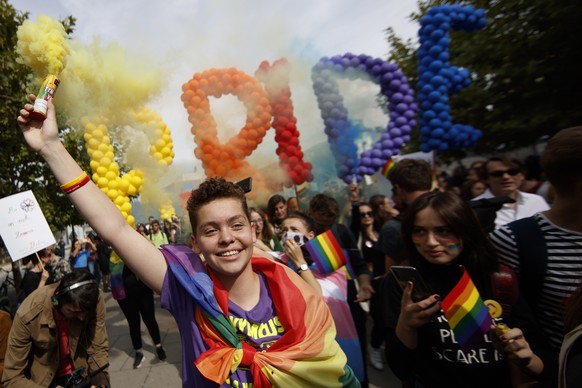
point(190, 36)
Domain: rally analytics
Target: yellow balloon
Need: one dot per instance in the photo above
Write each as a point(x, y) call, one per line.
point(126, 207)
point(97, 133)
point(131, 190)
point(93, 143)
point(94, 165)
point(119, 200)
point(131, 220)
point(103, 183)
point(112, 194)
point(110, 175)
point(137, 181)
point(113, 184)
point(97, 155)
point(101, 171)
point(123, 185)
point(166, 151)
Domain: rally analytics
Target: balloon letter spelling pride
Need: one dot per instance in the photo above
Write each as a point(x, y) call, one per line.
point(341, 132)
point(437, 78)
point(218, 159)
point(106, 174)
point(276, 81)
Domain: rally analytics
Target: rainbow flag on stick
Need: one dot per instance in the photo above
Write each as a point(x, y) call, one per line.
point(328, 255)
point(467, 314)
point(388, 167)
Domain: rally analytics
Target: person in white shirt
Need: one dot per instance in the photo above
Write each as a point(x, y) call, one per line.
point(503, 177)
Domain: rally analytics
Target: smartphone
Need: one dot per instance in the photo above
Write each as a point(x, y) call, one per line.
point(405, 274)
point(246, 184)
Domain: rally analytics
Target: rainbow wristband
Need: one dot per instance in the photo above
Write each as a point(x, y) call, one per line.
point(76, 183)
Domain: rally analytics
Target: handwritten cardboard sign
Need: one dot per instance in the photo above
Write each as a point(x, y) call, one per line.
point(23, 226)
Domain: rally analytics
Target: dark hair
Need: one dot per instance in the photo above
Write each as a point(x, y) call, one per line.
point(477, 255)
point(380, 216)
point(211, 190)
point(307, 221)
point(412, 175)
point(468, 187)
point(376, 201)
point(267, 232)
point(33, 256)
point(505, 160)
point(86, 296)
point(271, 204)
point(562, 160)
point(326, 206)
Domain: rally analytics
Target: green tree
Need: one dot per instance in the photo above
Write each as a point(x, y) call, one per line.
point(525, 68)
point(21, 169)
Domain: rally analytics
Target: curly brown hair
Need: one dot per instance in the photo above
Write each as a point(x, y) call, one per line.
point(211, 190)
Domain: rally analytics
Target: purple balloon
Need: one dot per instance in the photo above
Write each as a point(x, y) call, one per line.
point(400, 103)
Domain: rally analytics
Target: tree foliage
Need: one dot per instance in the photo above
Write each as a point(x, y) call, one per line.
point(20, 168)
point(525, 66)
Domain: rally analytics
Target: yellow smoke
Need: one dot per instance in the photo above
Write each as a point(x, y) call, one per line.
point(43, 46)
point(102, 89)
point(105, 79)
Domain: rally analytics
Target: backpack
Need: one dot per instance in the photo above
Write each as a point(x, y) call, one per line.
point(532, 256)
point(531, 246)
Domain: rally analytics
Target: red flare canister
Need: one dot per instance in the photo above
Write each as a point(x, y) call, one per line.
point(46, 92)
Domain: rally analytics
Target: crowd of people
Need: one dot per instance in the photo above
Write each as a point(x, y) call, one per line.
point(253, 306)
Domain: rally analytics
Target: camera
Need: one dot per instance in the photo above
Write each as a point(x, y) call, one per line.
point(77, 380)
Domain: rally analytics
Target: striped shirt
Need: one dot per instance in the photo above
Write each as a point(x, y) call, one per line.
point(563, 271)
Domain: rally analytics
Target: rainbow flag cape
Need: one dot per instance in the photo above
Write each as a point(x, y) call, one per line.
point(306, 355)
point(116, 269)
point(328, 255)
point(335, 293)
point(467, 314)
point(388, 167)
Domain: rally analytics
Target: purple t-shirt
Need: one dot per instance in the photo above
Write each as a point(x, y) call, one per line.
point(259, 327)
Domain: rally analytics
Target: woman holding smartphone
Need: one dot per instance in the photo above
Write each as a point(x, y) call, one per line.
point(440, 233)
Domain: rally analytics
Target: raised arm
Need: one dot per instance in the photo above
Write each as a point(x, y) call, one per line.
point(94, 206)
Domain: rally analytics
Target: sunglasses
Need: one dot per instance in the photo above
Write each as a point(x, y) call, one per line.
point(499, 173)
point(366, 214)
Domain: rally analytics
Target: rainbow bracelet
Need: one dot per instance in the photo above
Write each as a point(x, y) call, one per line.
point(76, 183)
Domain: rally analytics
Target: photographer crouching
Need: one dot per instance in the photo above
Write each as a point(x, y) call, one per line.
point(58, 337)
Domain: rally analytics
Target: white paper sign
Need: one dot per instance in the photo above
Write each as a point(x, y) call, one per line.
point(23, 226)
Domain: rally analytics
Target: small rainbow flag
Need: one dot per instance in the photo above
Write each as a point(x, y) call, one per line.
point(327, 254)
point(388, 167)
point(467, 314)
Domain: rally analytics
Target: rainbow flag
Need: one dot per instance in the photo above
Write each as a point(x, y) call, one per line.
point(328, 255)
point(388, 167)
point(306, 355)
point(467, 314)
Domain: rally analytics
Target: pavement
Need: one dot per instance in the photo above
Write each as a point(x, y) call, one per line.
point(154, 373)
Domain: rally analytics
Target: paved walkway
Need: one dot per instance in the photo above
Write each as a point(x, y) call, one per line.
point(153, 373)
